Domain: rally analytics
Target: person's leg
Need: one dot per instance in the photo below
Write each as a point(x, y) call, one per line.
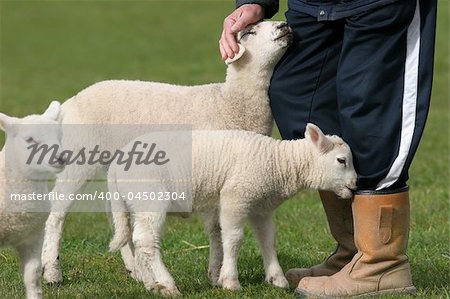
point(381, 265)
point(384, 87)
point(303, 86)
point(340, 221)
point(302, 90)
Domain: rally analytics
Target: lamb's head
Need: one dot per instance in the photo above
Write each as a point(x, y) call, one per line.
point(261, 45)
point(333, 162)
point(25, 134)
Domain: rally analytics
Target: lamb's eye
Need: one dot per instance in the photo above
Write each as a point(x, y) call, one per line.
point(342, 161)
point(30, 140)
point(247, 33)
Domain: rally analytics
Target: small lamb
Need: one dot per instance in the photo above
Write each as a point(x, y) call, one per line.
point(239, 103)
point(25, 230)
point(236, 175)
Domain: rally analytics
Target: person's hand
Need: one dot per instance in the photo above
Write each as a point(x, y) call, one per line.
point(239, 19)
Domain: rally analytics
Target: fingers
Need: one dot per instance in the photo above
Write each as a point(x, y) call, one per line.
point(223, 54)
point(230, 40)
point(228, 44)
point(239, 25)
point(235, 22)
point(225, 49)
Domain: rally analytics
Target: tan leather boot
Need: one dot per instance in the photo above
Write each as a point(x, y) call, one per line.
point(381, 223)
point(340, 221)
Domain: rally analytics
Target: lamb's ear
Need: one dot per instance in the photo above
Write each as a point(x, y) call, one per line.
point(6, 121)
point(236, 56)
point(316, 136)
point(53, 110)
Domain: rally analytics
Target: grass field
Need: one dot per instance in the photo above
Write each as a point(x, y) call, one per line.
point(52, 49)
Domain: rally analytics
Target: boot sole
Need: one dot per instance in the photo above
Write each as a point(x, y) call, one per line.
point(399, 291)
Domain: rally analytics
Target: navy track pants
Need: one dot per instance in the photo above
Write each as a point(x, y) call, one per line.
point(366, 78)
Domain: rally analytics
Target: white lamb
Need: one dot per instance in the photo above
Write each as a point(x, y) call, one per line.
point(236, 175)
point(19, 226)
point(241, 102)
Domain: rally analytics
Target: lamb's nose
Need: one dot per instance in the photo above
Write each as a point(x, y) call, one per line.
point(282, 25)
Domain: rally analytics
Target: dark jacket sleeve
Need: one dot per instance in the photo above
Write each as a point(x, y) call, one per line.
point(270, 6)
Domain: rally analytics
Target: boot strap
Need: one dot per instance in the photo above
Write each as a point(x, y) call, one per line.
point(385, 223)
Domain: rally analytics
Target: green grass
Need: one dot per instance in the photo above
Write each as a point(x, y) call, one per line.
point(52, 49)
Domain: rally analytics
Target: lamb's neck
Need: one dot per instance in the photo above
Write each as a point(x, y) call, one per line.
point(247, 101)
point(17, 181)
point(246, 83)
point(294, 164)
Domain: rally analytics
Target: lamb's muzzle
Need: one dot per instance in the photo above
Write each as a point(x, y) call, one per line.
point(284, 32)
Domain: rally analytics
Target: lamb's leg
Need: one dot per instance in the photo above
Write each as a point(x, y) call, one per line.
point(51, 248)
point(232, 225)
point(146, 237)
point(264, 230)
point(127, 253)
point(212, 226)
point(66, 184)
point(30, 257)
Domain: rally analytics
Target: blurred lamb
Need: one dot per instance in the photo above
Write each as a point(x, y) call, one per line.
point(236, 175)
point(19, 227)
point(241, 102)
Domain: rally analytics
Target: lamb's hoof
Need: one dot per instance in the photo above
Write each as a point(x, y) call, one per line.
point(279, 281)
point(54, 284)
point(52, 274)
point(166, 291)
point(34, 296)
point(135, 275)
point(213, 278)
point(229, 284)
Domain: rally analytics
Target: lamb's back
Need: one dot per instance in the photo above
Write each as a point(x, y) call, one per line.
point(235, 161)
point(135, 102)
point(222, 161)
